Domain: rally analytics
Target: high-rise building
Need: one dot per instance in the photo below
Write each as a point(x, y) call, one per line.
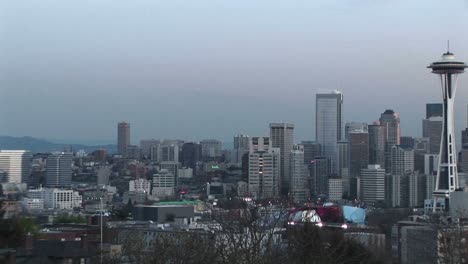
point(211, 149)
point(172, 167)
point(402, 160)
point(146, 144)
point(319, 174)
point(311, 150)
point(123, 138)
point(163, 184)
point(264, 168)
point(464, 136)
point(358, 152)
point(434, 109)
point(377, 145)
point(390, 120)
point(343, 157)
point(372, 184)
point(448, 69)
point(282, 137)
point(432, 129)
point(431, 164)
point(406, 142)
point(298, 185)
point(241, 146)
point(355, 127)
point(16, 166)
point(329, 124)
point(191, 154)
point(59, 170)
point(335, 188)
point(169, 152)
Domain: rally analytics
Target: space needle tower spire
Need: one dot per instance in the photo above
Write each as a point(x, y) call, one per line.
point(448, 69)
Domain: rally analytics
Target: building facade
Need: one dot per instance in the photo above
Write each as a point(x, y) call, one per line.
point(123, 138)
point(59, 170)
point(282, 137)
point(16, 166)
point(329, 124)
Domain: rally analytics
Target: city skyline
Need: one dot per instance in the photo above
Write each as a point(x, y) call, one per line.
point(142, 71)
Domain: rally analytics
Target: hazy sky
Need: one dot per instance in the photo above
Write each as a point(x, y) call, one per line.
point(210, 69)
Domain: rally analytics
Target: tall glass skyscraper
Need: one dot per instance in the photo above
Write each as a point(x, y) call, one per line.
point(329, 124)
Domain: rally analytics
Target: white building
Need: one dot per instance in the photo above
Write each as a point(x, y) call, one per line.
point(33, 204)
point(335, 189)
point(264, 168)
point(329, 124)
point(57, 198)
point(163, 184)
point(372, 184)
point(16, 165)
point(139, 185)
point(298, 185)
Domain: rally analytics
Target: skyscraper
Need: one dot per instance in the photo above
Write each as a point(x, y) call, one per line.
point(241, 146)
point(191, 154)
point(372, 184)
point(319, 175)
point(390, 120)
point(59, 170)
point(123, 138)
point(358, 152)
point(282, 137)
point(298, 182)
point(448, 69)
point(355, 127)
point(432, 129)
point(377, 145)
point(264, 168)
point(434, 109)
point(328, 124)
point(311, 150)
point(211, 149)
point(16, 166)
point(146, 145)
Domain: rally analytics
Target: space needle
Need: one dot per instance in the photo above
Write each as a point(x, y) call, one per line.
point(448, 69)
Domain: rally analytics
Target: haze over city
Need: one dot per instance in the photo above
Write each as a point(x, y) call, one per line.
point(197, 69)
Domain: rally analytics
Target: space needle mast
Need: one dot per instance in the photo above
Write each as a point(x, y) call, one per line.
point(448, 69)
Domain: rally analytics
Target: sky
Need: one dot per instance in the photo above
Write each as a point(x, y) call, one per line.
point(71, 70)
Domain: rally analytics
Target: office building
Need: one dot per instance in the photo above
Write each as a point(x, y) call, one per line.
point(406, 142)
point(402, 170)
point(319, 174)
point(241, 147)
point(377, 145)
point(54, 198)
point(263, 168)
point(390, 120)
point(123, 138)
point(282, 137)
point(191, 154)
point(169, 152)
point(163, 184)
point(355, 127)
point(311, 150)
point(172, 167)
point(431, 164)
point(59, 169)
point(146, 145)
point(329, 124)
point(434, 109)
point(211, 149)
point(139, 185)
point(343, 157)
point(358, 152)
point(298, 185)
point(16, 166)
point(432, 129)
point(372, 185)
point(335, 188)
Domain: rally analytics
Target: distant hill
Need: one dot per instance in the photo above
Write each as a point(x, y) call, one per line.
point(36, 145)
